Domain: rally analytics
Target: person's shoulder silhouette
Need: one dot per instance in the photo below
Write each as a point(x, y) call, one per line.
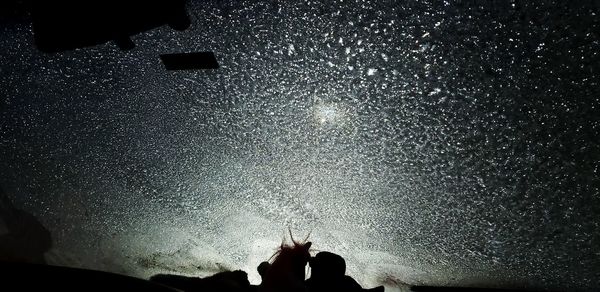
point(328, 273)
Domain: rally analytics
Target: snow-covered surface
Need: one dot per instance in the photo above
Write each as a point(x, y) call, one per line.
point(427, 142)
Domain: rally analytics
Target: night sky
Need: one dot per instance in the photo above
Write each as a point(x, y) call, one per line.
point(428, 142)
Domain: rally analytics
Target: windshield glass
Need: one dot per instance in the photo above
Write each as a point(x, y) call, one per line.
point(427, 142)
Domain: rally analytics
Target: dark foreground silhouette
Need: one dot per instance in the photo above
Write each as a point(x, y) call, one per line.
point(285, 273)
point(328, 273)
point(24, 238)
point(63, 25)
point(69, 24)
point(35, 277)
point(235, 281)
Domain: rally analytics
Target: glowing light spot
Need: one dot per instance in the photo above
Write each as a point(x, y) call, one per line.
point(328, 114)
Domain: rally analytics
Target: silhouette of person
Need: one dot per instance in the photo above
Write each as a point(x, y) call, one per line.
point(328, 273)
point(24, 239)
point(262, 269)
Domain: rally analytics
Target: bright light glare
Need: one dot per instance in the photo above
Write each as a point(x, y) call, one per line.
point(328, 114)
